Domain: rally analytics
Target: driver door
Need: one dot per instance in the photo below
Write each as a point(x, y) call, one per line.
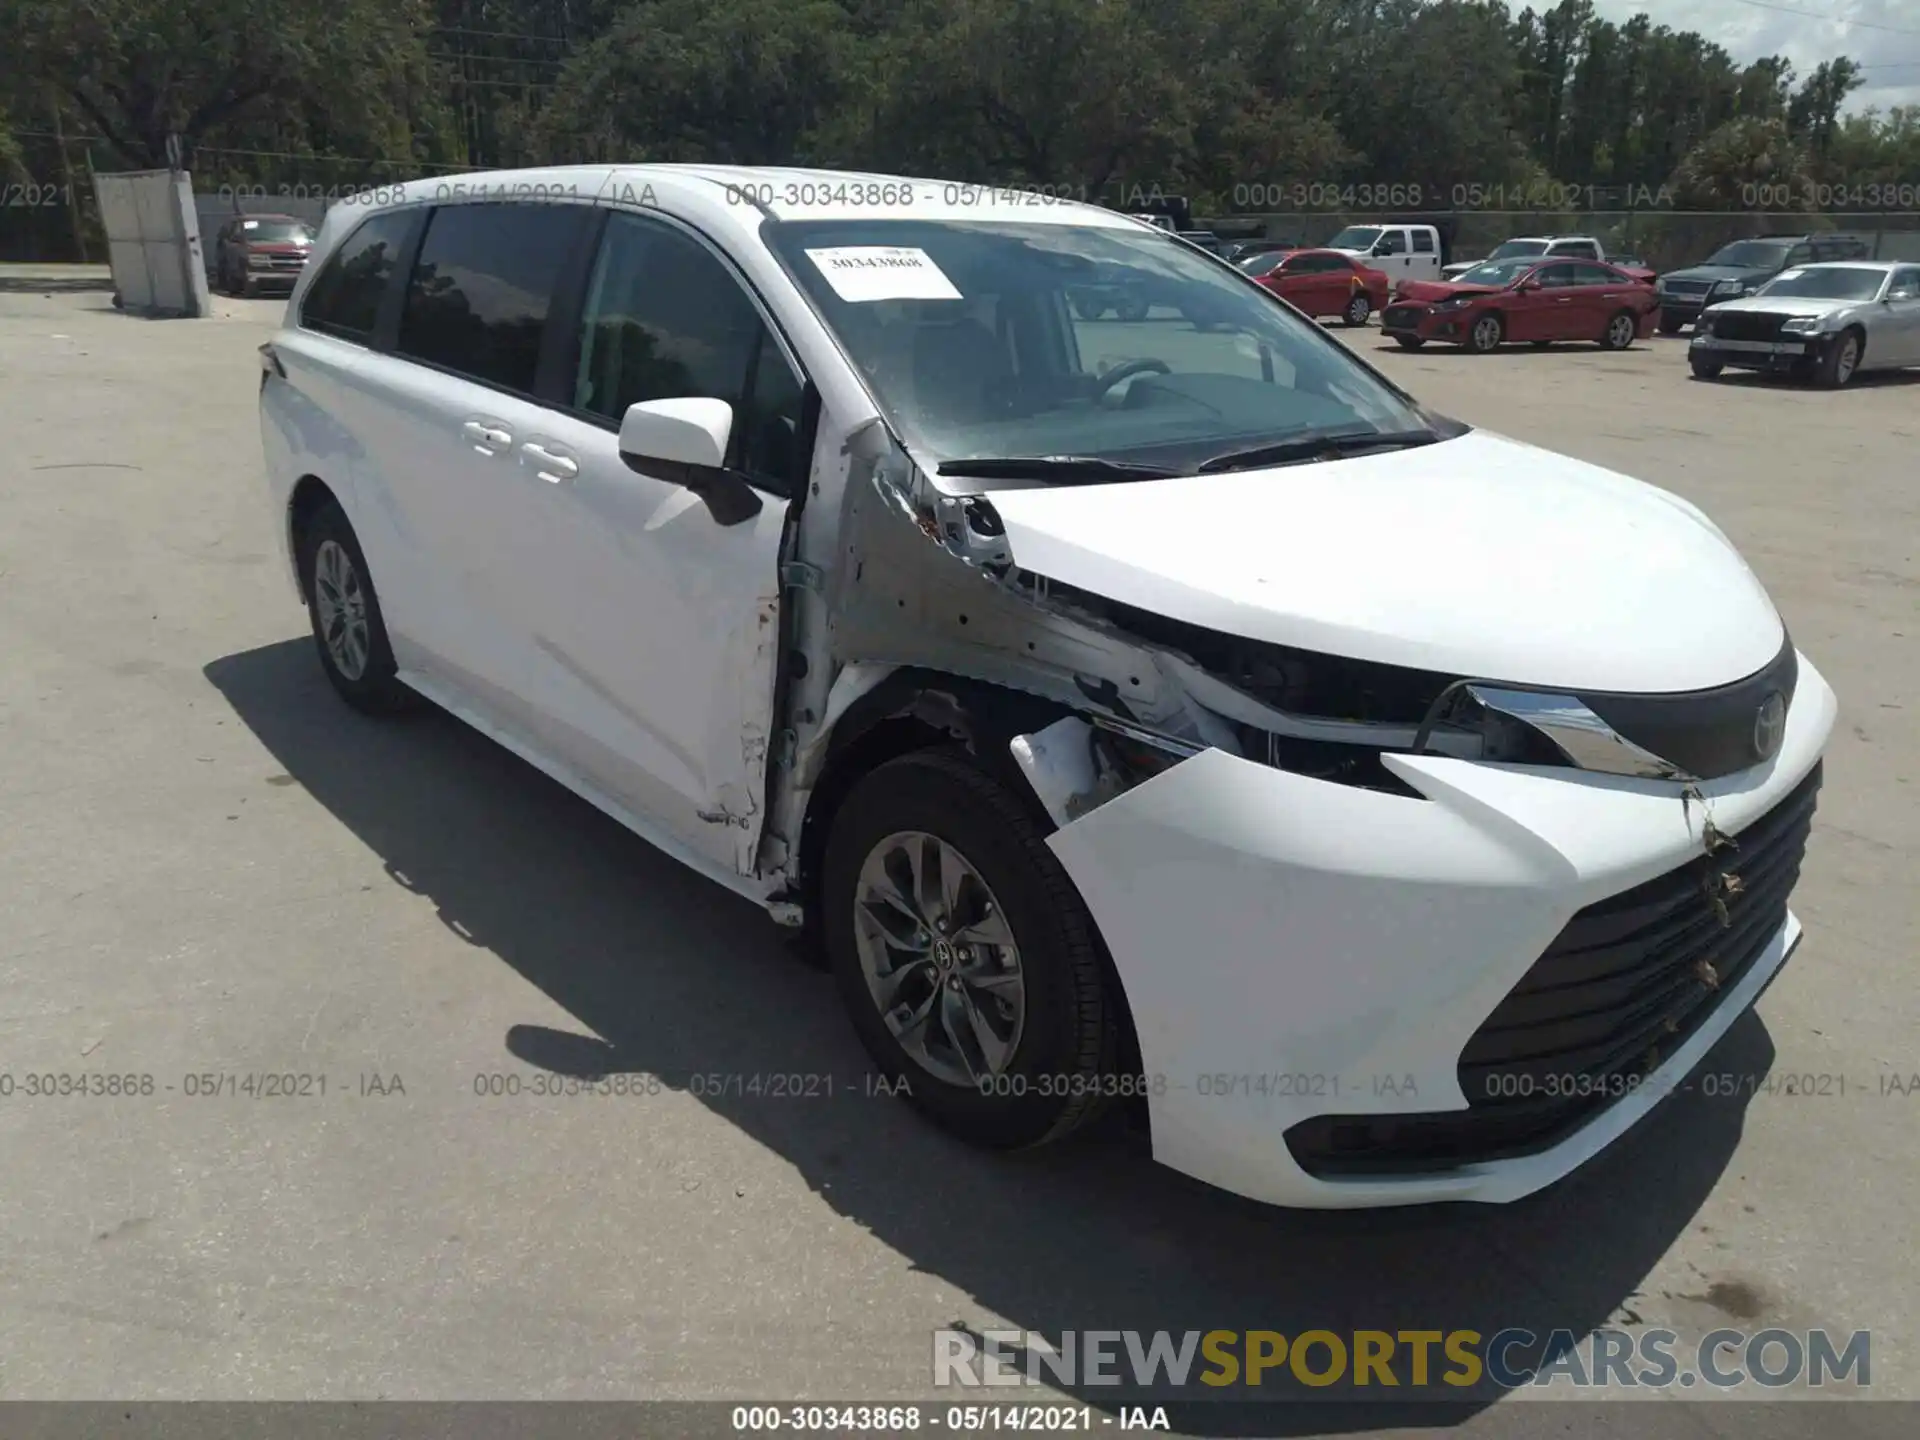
point(1546, 307)
point(1897, 336)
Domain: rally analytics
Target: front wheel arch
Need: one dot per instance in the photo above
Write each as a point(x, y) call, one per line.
point(914, 710)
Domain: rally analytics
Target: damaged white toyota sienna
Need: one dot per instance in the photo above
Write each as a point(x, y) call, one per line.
point(1139, 696)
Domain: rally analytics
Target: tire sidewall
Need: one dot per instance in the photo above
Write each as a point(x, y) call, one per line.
point(1359, 310)
point(944, 794)
point(1499, 334)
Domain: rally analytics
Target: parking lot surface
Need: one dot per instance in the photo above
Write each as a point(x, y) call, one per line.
point(213, 873)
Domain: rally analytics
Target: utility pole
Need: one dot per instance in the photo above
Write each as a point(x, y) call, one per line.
point(66, 178)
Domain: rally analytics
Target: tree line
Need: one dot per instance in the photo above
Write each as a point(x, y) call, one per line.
point(1217, 100)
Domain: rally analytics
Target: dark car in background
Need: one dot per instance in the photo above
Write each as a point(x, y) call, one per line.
point(1523, 299)
point(257, 253)
point(1740, 268)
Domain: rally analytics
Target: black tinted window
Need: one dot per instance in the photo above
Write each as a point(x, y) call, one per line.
point(1422, 243)
point(665, 320)
point(477, 300)
point(345, 296)
point(1593, 275)
point(1392, 243)
point(1554, 276)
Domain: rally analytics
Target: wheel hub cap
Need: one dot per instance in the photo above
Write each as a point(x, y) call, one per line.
point(939, 958)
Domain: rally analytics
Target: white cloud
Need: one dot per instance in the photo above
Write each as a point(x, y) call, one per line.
point(1748, 31)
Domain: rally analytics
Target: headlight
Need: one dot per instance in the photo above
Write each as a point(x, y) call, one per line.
point(1727, 287)
point(1801, 324)
point(259, 262)
point(1456, 302)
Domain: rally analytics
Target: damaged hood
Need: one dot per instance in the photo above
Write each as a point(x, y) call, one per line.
point(1478, 556)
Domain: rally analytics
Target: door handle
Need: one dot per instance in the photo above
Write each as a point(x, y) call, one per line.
point(486, 438)
point(550, 465)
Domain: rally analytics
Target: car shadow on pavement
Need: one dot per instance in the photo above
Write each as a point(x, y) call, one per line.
point(669, 975)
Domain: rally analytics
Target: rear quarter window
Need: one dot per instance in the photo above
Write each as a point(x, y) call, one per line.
point(345, 296)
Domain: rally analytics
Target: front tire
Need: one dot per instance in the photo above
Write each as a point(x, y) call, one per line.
point(1670, 323)
point(1705, 369)
point(348, 629)
point(1408, 342)
point(964, 955)
point(1487, 333)
point(1840, 362)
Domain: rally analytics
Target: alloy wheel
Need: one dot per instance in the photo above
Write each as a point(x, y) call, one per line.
point(1620, 332)
point(341, 603)
point(939, 958)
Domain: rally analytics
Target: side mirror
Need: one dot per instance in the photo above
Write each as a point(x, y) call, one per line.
point(1527, 284)
point(685, 443)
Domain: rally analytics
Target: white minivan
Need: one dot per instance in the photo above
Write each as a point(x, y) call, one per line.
point(1166, 710)
point(1400, 252)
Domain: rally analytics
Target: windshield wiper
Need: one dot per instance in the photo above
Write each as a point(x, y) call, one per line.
point(1318, 447)
point(1069, 468)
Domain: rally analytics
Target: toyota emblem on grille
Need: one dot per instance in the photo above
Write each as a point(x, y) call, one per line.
point(1768, 723)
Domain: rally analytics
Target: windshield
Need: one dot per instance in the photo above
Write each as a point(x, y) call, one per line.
point(1749, 255)
point(1496, 272)
point(1843, 282)
point(274, 231)
point(981, 338)
point(1355, 237)
point(1258, 265)
point(1518, 247)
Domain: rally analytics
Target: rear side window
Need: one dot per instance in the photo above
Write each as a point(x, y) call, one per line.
point(1422, 243)
point(478, 297)
point(345, 297)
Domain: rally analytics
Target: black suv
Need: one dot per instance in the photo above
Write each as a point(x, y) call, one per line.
point(1742, 267)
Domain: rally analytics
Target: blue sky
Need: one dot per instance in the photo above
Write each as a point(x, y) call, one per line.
point(1805, 31)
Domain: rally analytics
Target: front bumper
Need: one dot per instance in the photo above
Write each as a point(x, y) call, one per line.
point(1428, 322)
point(1789, 352)
point(1294, 950)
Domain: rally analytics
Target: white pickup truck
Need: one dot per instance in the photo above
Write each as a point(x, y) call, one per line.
point(1569, 247)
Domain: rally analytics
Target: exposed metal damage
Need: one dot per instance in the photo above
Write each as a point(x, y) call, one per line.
point(921, 579)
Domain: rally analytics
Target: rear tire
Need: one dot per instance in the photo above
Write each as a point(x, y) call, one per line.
point(1620, 331)
point(343, 608)
point(936, 816)
point(1132, 307)
point(1359, 308)
point(1705, 369)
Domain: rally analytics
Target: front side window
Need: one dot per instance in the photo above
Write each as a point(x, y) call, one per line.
point(478, 297)
point(1905, 286)
point(1258, 265)
point(965, 334)
point(666, 320)
point(1394, 242)
point(345, 297)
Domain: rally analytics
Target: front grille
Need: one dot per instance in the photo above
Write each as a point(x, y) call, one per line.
point(1687, 287)
point(1746, 325)
point(1402, 316)
point(1623, 984)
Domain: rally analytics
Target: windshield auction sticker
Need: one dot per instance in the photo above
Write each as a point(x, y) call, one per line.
point(882, 272)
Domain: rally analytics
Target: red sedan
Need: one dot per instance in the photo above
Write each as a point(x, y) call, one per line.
point(1321, 282)
point(1524, 299)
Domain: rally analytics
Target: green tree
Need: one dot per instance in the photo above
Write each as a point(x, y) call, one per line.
point(1721, 170)
point(141, 70)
